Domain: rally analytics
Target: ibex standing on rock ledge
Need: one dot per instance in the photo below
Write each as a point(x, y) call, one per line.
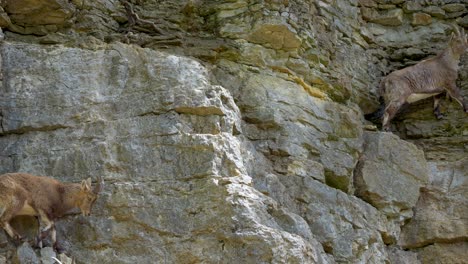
point(428, 78)
point(44, 197)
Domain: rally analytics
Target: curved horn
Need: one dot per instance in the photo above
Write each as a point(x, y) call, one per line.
point(99, 185)
point(456, 30)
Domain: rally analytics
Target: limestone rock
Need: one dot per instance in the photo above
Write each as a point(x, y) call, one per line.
point(246, 154)
point(276, 36)
point(393, 17)
point(65, 259)
point(390, 174)
point(411, 7)
point(4, 18)
point(35, 15)
point(47, 255)
point(434, 11)
point(173, 155)
point(438, 217)
point(453, 8)
point(26, 255)
point(367, 3)
point(396, 255)
point(444, 253)
point(464, 21)
point(272, 104)
point(3, 240)
point(421, 19)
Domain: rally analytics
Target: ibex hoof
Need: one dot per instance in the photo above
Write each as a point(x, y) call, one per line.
point(440, 116)
point(18, 240)
point(59, 249)
point(38, 243)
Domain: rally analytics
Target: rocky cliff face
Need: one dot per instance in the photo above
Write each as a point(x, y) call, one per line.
point(233, 131)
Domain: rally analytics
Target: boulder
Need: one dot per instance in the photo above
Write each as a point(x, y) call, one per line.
point(390, 174)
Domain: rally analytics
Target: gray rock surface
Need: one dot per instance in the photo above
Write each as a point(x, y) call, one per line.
point(25, 254)
point(232, 131)
point(390, 174)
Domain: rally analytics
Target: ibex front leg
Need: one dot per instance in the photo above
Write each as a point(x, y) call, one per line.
point(12, 233)
point(44, 232)
point(437, 112)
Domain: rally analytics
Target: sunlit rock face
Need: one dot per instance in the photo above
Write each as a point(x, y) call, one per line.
point(233, 131)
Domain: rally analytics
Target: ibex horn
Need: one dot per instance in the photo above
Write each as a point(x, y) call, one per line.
point(457, 31)
point(99, 185)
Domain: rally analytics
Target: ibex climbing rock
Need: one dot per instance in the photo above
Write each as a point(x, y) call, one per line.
point(427, 78)
point(45, 198)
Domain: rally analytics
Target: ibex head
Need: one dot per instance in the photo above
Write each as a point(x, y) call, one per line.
point(87, 196)
point(458, 42)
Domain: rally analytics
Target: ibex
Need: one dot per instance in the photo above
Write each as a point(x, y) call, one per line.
point(427, 78)
point(45, 198)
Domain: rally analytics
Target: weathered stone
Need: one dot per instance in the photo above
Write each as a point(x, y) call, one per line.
point(271, 109)
point(139, 208)
point(434, 11)
point(390, 1)
point(390, 174)
point(453, 8)
point(386, 6)
point(439, 217)
point(25, 255)
point(421, 19)
point(408, 54)
point(392, 17)
point(64, 259)
point(3, 240)
point(351, 241)
point(238, 173)
point(396, 255)
point(368, 13)
point(4, 19)
point(47, 255)
point(3, 260)
point(454, 14)
point(367, 3)
point(275, 36)
point(464, 21)
point(444, 253)
point(411, 7)
point(39, 12)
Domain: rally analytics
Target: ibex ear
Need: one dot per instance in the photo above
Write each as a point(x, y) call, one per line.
point(86, 185)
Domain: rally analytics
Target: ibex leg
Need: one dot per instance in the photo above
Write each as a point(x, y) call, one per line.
point(437, 112)
point(390, 112)
point(11, 232)
point(454, 92)
point(49, 227)
point(44, 231)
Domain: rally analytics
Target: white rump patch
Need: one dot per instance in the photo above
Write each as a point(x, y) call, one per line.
point(419, 96)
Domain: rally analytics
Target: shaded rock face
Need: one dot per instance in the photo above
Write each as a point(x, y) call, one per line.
point(232, 131)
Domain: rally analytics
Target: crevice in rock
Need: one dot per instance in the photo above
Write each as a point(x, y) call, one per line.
point(431, 242)
point(30, 129)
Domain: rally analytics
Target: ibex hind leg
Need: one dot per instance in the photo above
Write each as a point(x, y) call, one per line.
point(454, 93)
point(390, 112)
